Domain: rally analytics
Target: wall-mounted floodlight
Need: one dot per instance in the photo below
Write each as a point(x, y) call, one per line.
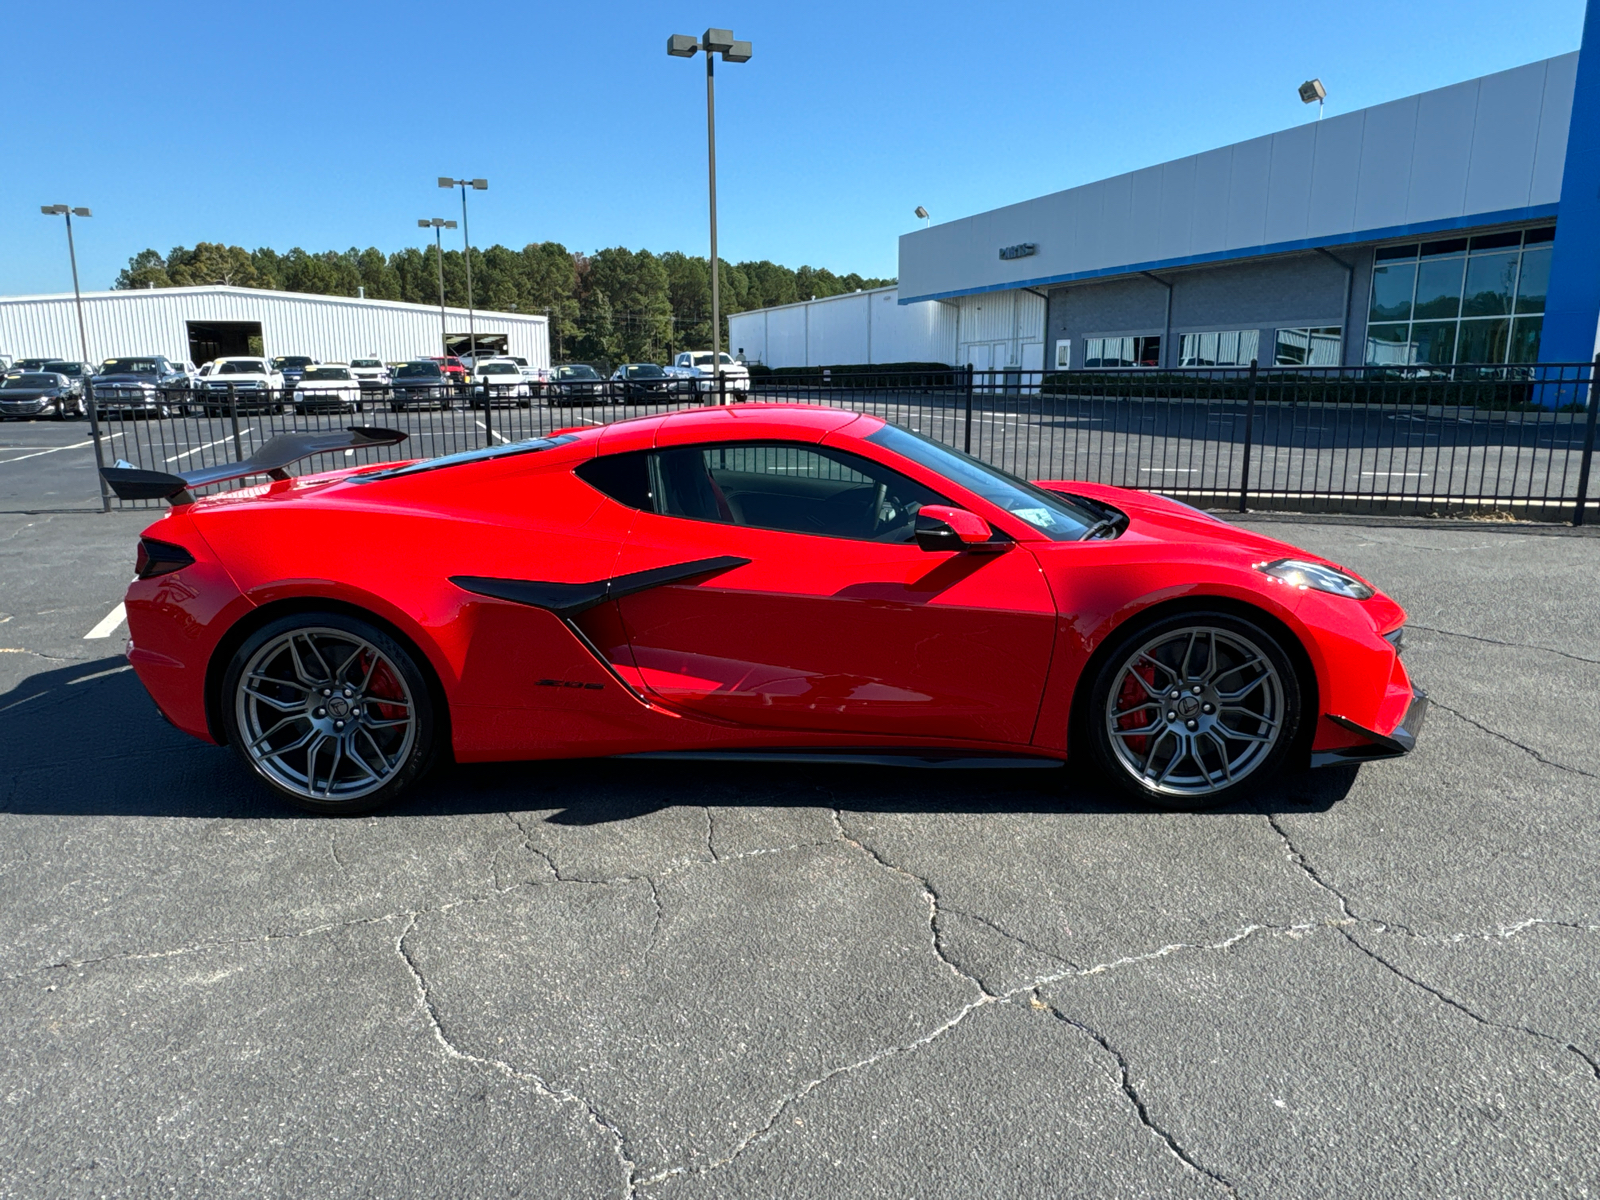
point(1313, 91)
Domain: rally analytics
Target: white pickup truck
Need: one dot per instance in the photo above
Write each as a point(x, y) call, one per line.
point(697, 363)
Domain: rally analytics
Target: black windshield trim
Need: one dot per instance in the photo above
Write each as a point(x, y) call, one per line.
point(467, 457)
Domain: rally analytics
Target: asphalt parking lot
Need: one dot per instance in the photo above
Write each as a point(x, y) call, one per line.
point(675, 980)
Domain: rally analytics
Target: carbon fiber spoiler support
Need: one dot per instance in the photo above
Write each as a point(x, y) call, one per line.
point(135, 483)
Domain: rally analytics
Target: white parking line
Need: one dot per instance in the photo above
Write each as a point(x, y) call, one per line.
point(100, 674)
point(108, 623)
point(495, 433)
point(52, 450)
point(208, 445)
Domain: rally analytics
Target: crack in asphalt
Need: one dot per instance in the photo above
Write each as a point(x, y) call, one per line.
point(1504, 737)
point(1007, 934)
point(1444, 998)
point(1474, 637)
point(561, 1095)
point(711, 829)
point(1125, 1082)
point(935, 937)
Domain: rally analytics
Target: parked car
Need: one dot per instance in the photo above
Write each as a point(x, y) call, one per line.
point(372, 373)
point(576, 383)
point(499, 381)
point(328, 387)
point(292, 367)
point(144, 384)
point(736, 376)
point(243, 385)
point(643, 382)
point(538, 377)
point(422, 382)
point(40, 394)
point(455, 371)
point(78, 373)
point(22, 365)
point(809, 582)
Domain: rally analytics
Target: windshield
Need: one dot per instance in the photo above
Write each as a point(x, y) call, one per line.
point(296, 360)
point(645, 371)
point(1052, 514)
point(243, 366)
point(418, 371)
point(326, 373)
point(499, 368)
point(130, 366)
point(29, 381)
point(366, 362)
point(482, 454)
point(64, 368)
point(578, 372)
point(703, 359)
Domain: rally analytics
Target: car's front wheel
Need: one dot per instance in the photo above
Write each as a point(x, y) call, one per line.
point(332, 712)
point(1194, 711)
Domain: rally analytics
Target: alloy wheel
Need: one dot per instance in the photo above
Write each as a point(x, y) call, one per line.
point(1194, 711)
point(325, 714)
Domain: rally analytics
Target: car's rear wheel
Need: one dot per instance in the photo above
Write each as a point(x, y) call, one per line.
point(1194, 711)
point(333, 713)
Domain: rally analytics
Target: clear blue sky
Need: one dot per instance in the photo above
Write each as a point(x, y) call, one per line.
point(324, 125)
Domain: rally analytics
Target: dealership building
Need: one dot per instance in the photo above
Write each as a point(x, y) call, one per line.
point(1457, 225)
point(197, 324)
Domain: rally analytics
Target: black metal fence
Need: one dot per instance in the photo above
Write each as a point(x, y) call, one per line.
point(1515, 441)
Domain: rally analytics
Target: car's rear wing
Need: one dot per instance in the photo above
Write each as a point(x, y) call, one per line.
point(135, 483)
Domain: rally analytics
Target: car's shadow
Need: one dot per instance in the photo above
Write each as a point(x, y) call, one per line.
point(86, 740)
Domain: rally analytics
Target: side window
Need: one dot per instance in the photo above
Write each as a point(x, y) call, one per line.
point(808, 489)
point(623, 477)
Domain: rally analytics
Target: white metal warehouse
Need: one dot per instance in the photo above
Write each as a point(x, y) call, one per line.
point(200, 323)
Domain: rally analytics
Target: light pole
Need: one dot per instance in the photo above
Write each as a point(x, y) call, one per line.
point(436, 224)
point(61, 210)
point(477, 185)
point(712, 42)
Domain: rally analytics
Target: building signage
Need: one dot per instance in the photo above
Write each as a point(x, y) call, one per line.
point(1020, 250)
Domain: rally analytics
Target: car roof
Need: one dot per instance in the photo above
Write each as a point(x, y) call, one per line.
point(733, 422)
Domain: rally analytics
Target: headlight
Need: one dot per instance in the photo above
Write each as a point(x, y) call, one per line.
point(1300, 574)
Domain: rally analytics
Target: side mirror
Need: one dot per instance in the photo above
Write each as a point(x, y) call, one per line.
point(940, 527)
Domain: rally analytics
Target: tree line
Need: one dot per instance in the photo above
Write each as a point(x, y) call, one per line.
point(614, 305)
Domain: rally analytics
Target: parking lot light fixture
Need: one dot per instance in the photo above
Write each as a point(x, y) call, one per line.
point(437, 224)
point(712, 42)
point(477, 185)
point(62, 210)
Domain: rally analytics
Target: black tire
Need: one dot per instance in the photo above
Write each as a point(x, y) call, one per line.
point(1246, 757)
point(411, 765)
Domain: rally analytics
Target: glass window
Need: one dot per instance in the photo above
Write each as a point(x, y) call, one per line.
point(1388, 345)
point(1052, 514)
point(1525, 339)
point(326, 373)
point(242, 366)
point(1535, 280)
point(1438, 289)
point(790, 489)
point(623, 477)
point(1392, 286)
point(1443, 308)
point(1448, 246)
point(1122, 352)
point(1314, 347)
point(1496, 241)
point(1491, 282)
point(1434, 342)
point(1229, 348)
point(1483, 341)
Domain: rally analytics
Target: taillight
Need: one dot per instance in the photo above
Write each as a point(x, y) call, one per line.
point(160, 558)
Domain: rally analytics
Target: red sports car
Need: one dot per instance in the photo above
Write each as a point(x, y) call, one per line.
point(759, 582)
